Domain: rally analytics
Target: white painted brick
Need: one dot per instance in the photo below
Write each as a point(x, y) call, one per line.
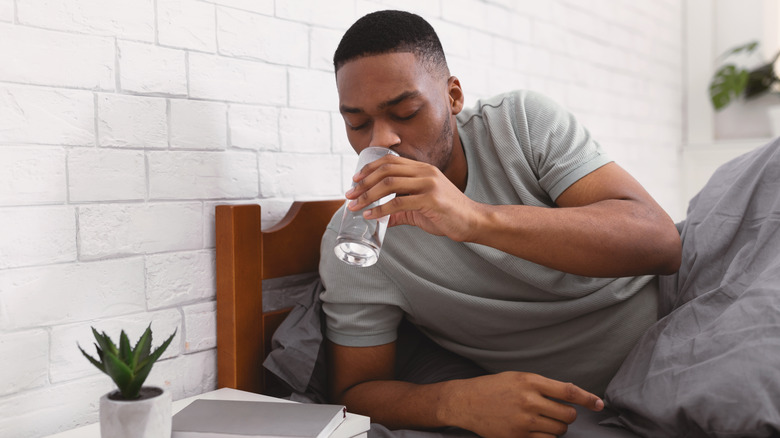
point(149, 69)
point(503, 54)
point(200, 321)
point(236, 80)
point(323, 45)
point(479, 41)
point(132, 121)
point(186, 375)
point(67, 362)
point(177, 278)
point(427, 8)
point(37, 236)
point(532, 60)
point(126, 20)
point(46, 116)
point(53, 409)
point(112, 230)
point(247, 35)
point(313, 89)
point(32, 175)
point(59, 294)
point(24, 359)
point(296, 175)
point(202, 175)
point(467, 13)
point(253, 127)
point(503, 24)
point(333, 13)
point(187, 24)
point(550, 36)
point(7, 10)
point(198, 125)
point(535, 9)
point(106, 175)
point(304, 131)
point(338, 131)
point(265, 7)
point(41, 57)
point(501, 79)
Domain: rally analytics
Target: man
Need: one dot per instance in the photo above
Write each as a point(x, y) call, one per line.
point(516, 244)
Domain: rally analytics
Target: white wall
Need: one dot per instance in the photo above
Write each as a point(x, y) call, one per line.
point(123, 123)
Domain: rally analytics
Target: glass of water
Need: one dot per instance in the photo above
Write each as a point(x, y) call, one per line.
point(360, 240)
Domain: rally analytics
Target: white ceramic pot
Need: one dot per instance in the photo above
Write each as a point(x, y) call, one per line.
point(148, 417)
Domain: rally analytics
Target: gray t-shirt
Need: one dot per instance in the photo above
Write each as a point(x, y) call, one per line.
point(501, 311)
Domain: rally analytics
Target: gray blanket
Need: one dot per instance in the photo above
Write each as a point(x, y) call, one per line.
point(711, 366)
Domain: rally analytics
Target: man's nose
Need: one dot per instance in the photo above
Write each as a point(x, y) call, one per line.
point(384, 135)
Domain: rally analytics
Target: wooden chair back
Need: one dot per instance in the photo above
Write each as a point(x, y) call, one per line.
point(245, 256)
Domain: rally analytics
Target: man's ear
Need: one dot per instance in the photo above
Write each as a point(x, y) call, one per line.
point(456, 94)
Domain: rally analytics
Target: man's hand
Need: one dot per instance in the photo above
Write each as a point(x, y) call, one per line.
point(514, 404)
point(425, 197)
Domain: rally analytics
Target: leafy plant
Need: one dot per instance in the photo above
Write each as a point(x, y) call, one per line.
point(730, 81)
point(128, 367)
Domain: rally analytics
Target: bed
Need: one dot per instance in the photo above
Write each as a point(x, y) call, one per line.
point(283, 257)
point(709, 367)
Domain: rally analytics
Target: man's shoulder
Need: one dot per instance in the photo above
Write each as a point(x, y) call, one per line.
point(516, 102)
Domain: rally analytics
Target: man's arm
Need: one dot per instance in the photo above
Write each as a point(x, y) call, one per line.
point(510, 404)
point(607, 226)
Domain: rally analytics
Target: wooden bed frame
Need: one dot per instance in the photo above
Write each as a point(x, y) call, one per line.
point(246, 256)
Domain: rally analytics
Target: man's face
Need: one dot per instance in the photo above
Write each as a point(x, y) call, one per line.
point(392, 100)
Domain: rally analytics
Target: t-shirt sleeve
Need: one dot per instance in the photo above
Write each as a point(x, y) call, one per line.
point(359, 303)
point(560, 149)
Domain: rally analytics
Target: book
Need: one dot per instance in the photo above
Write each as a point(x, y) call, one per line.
point(256, 419)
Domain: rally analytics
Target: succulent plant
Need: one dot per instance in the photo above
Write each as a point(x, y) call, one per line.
point(128, 367)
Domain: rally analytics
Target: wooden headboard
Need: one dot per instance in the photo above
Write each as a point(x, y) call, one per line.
point(246, 256)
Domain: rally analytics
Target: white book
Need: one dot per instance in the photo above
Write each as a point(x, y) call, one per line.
point(239, 419)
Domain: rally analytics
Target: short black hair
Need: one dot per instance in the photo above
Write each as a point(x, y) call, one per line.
point(390, 32)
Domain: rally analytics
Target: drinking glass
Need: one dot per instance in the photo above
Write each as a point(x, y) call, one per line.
point(360, 240)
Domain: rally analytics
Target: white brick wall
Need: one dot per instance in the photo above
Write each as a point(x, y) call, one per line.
point(123, 124)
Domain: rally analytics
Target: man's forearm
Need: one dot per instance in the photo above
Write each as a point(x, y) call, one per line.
point(612, 238)
point(399, 405)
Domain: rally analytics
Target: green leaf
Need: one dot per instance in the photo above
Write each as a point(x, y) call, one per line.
point(94, 361)
point(135, 384)
point(105, 342)
point(157, 353)
point(124, 348)
point(120, 373)
point(142, 348)
point(747, 47)
point(727, 84)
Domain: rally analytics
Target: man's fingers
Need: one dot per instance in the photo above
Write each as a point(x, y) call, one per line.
point(572, 393)
point(544, 425)
point(563, 413)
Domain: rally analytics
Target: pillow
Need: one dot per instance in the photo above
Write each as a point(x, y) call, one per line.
point(297, 354)
point(711, 366)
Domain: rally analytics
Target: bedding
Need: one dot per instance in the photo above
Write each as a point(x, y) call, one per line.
point(711, 365)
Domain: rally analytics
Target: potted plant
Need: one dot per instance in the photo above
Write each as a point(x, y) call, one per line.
point(730, 80)
point(133, 410)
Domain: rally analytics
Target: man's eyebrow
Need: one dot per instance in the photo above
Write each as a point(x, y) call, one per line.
point(394, 101)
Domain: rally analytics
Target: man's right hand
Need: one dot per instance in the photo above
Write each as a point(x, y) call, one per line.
point(514, 404)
